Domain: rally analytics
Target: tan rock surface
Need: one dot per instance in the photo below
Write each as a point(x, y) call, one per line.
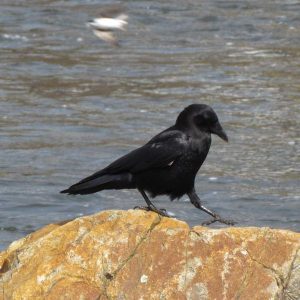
point(139, 255)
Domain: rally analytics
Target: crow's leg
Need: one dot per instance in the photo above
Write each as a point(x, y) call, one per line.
point(150, 206)
point(197, 203)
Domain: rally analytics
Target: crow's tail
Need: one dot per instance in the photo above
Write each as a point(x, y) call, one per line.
point(93, 184)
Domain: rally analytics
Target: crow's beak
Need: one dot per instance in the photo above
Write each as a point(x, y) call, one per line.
point(218, 130)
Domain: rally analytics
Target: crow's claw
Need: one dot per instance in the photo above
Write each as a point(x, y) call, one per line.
point(162, 212)
point(219, 219)
point(142, 207)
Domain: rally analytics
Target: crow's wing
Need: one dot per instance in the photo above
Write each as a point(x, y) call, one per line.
point(159, 152)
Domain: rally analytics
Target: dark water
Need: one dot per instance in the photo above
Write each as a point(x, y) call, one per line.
point(70, 104)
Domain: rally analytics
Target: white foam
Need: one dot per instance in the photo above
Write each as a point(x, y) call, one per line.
point(213, 178)
point(14, 37)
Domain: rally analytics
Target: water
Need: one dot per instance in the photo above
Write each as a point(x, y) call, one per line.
point(71, 104)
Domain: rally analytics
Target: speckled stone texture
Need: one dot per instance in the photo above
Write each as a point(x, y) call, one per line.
point(140, 255)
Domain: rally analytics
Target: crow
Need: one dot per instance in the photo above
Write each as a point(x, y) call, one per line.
point(166, 165)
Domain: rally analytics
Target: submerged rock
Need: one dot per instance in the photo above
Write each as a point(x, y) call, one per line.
point(140, 255)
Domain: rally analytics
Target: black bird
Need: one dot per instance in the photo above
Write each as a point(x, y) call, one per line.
point(166, 165)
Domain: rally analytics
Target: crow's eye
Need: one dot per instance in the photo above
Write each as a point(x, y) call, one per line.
point(205, 119)
point(213, 120)
point(200, 120)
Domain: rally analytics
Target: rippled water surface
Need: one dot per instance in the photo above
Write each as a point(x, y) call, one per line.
point(70, 104)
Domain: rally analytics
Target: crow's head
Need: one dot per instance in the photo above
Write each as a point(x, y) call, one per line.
point(201, 118)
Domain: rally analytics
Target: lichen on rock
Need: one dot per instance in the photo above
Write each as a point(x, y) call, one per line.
point(141, 255)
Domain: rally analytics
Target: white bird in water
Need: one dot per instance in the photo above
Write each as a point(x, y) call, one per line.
point(111, 19)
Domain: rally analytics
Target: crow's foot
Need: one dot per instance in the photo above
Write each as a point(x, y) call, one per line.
point(161, 211)
point(217, 218)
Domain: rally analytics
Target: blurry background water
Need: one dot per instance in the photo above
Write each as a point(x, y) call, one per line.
point(70, 104)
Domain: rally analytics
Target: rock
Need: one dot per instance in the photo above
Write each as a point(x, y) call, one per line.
point(140, 255)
